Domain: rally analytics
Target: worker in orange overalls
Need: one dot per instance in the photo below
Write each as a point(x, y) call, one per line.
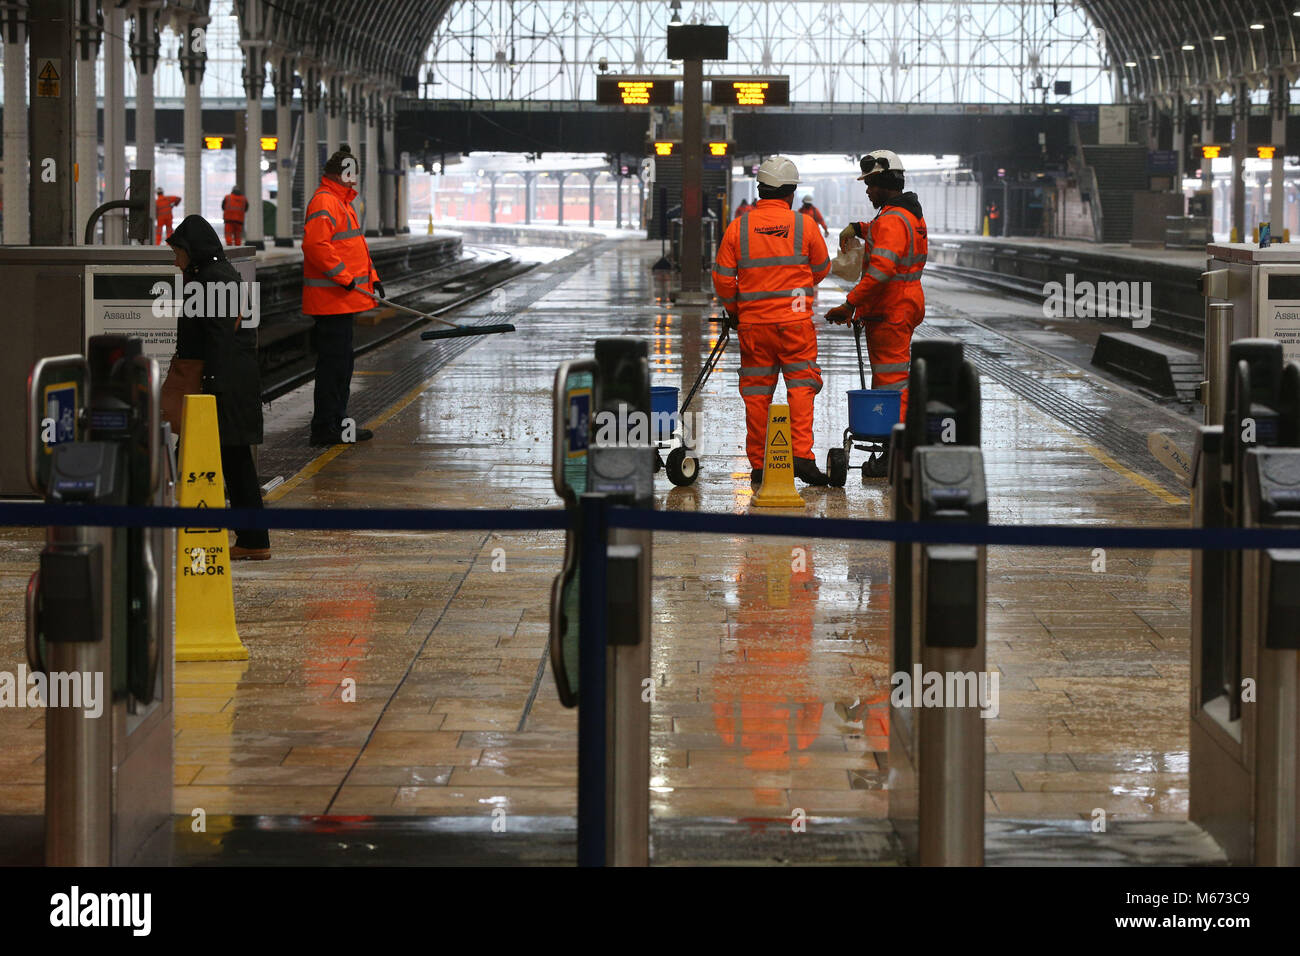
point(338, 281)
point(233, 208)
point(766, 274)
point(888, 299)
point(808, 209)
point(162, 207)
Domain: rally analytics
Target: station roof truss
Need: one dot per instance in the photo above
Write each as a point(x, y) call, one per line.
point(1190, 48)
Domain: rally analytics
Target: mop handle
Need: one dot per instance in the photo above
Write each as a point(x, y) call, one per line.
point(857, 340)
point(394, 305)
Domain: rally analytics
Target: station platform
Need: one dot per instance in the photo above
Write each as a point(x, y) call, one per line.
point(770, 656)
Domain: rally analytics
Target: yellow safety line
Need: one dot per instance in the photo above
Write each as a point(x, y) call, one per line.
point(312, 468)
point(1168, 497)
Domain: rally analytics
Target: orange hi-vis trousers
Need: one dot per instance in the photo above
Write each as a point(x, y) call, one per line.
point(889, 344)
point(766, 351)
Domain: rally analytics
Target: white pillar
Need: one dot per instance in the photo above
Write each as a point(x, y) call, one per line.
point(404, 195)
point(114, 122)
point(283, 153)
point(17, 225)
point(370, 182)
point(192, 65)
point(254, 81)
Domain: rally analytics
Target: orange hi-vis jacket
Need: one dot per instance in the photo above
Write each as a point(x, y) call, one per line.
point(233, 208)
point(163, 207)
point(769, 264)
point(334, 252)
point(815, 213)
point(892, 262)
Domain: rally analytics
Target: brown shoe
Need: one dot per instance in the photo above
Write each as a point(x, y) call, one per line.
point(250, 554)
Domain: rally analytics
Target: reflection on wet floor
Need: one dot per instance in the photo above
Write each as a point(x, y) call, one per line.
point(770, 655)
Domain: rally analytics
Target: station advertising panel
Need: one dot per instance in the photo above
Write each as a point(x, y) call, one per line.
point(635, 90)
point(750, 90)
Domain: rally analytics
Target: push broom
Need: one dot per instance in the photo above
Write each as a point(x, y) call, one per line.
point(449, 333)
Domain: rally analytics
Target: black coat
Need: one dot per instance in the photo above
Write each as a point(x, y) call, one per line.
point(228, 351)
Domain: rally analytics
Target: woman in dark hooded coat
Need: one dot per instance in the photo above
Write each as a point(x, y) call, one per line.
point(229, 355)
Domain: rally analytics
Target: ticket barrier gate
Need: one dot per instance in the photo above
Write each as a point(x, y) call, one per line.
point(99, 609)
point(1244, 728)
point(600, 601)
point(936, 753)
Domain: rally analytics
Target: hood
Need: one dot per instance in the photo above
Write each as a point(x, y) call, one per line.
point(908, 201)
point(345, 192)
point(199, 240)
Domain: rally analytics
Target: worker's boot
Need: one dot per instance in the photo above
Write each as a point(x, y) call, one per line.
point(806, 470)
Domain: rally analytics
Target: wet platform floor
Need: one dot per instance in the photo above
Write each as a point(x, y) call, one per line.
point(756, 640)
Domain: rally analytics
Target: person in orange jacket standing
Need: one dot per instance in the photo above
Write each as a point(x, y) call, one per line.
point(888, 299)
point(338, 281)
point(766, 274)
point(162, 207)
point(233, 208)
point(808, 209)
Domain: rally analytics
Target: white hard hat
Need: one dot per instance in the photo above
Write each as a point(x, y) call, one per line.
point(879, 161)
point(778, 171)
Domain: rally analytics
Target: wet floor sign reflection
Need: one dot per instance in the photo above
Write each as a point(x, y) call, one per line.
point(777, 490)
point(205, 600)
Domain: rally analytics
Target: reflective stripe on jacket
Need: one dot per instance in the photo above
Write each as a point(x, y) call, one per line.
point(769, 264)
point(233, 208)
point(892, 263)
point(334, 251)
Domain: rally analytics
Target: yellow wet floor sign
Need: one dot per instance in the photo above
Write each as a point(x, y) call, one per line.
point(205, 600)
point(777, 489)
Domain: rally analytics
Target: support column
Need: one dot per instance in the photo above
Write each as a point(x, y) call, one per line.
point(114, 122)
point(254, 82)
point(283, 84)
point(1209, 103)
point(333, 112)
point(1279, 103)
point(193, 60)
point(1153, 125)
point(353, 117)
point(559, 197)
point(404, 196)
point(1179, 122)
point(16, 226)
point(371, 177)
point(144, 54)
point(311, 123)
point(89, 29)
point(1240, 117)
point(692, 251)
point(492, 200)
point(591, 199)
point(52, 120)
point(530, 193)
point(388, 187)
point(618, 193)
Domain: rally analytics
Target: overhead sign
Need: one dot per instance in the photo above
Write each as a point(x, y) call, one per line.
point(214, 142)
point(1265, 152)
point(269, 143)
point(751, 91)
point(717, 149)
point(664, 149)
point(1210, 152)
point(635, 90)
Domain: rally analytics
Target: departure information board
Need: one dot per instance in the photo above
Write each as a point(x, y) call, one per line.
point(635, 90)
point(750, 90)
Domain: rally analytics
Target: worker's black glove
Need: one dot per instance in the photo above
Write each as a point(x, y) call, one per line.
point(352, 284)
point(733, 321)
point(379, 289)
point(840, 314)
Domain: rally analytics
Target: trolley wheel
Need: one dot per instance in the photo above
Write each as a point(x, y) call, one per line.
point(682, 469)
point(837, 467)
point(877, 466)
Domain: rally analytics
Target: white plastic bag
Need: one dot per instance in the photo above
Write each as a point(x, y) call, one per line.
point(848, 264)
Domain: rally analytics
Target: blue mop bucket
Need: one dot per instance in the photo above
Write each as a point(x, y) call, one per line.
point(663, 411)
point(873, 412)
